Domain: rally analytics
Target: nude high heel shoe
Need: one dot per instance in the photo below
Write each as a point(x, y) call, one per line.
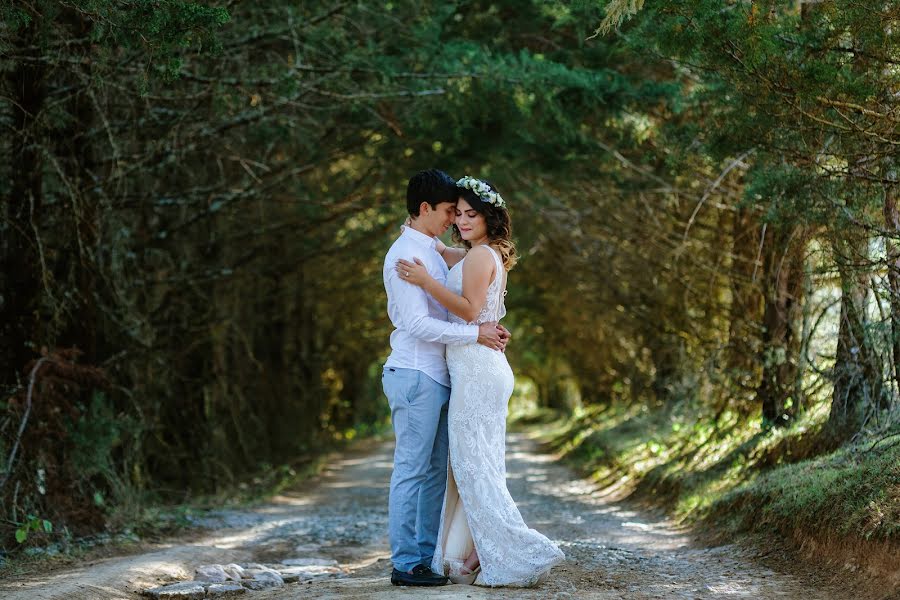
point(467, 579)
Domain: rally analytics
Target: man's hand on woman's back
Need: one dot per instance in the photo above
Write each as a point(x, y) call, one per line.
point(493, 335)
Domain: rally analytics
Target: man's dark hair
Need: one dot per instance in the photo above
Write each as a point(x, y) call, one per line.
point(432, 186)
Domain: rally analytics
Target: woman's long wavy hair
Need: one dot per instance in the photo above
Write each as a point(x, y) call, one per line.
point(499, 227)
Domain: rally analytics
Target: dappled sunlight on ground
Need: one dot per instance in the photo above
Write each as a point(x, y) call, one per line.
point(613, 549)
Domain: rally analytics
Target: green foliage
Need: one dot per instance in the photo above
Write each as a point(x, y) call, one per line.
point(616, 12)
point(14, 17)
point(729, 472)
point(851, 492)
point(32, 523)
point(161, 29)
point(95, 438)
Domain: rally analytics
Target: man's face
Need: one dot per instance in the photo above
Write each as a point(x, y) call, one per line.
point(437, 220)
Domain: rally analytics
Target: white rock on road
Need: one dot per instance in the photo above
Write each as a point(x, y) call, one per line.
point(264, 580)
point(185, 590)
point(233, 572)
point(292, 574)
point(211, 573)
point(225, 590)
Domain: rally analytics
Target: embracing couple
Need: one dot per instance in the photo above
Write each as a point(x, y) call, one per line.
point(448, 383)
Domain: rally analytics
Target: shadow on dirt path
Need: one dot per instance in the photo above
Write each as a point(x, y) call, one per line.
point(613, 550)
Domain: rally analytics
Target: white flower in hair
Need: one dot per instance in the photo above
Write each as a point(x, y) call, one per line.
point(482, 190)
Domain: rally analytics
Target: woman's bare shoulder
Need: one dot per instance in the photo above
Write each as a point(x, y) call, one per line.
point(479, 253)
point(479, 260)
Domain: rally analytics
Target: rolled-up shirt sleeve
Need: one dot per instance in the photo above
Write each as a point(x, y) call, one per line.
point(412, 306)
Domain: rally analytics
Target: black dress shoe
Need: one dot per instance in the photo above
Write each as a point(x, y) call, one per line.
point(421, 576)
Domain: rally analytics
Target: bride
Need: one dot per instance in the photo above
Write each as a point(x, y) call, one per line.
point(482, 538)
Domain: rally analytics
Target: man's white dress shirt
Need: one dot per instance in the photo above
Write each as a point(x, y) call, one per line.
point(422, 330)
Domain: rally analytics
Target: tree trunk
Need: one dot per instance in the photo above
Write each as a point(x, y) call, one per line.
point(892, 251)
point(22, 264)
point(857, 370)
point(783, 262)
point(747, 303)
point(549, 380)
point(857, 377)
point(77, 157)
point(667, 355)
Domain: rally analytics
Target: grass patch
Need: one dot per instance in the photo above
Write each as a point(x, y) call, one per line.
point(732, 473)
point(853, 491)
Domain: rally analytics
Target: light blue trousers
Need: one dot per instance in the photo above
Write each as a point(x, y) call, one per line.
point(419, 416)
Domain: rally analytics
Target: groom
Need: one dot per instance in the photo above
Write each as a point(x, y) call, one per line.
point(416, 382)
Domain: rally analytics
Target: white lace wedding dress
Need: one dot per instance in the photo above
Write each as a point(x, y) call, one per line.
point(478, 509)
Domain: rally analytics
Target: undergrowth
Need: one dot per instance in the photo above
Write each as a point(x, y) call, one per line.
point(736, 474)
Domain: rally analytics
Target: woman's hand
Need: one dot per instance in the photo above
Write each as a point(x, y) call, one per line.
point(406, 223)
point(414, 273)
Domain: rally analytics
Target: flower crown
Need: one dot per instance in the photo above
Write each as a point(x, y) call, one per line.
point(482, 190)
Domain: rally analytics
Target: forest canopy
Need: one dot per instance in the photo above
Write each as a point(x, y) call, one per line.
point(197, 198)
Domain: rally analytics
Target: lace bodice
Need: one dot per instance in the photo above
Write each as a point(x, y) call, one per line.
point(494, 307)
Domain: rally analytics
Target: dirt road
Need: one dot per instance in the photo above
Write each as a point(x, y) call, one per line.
point(612, 549)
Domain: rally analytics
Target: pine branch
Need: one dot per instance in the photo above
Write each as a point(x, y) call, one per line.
point(616, 13)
